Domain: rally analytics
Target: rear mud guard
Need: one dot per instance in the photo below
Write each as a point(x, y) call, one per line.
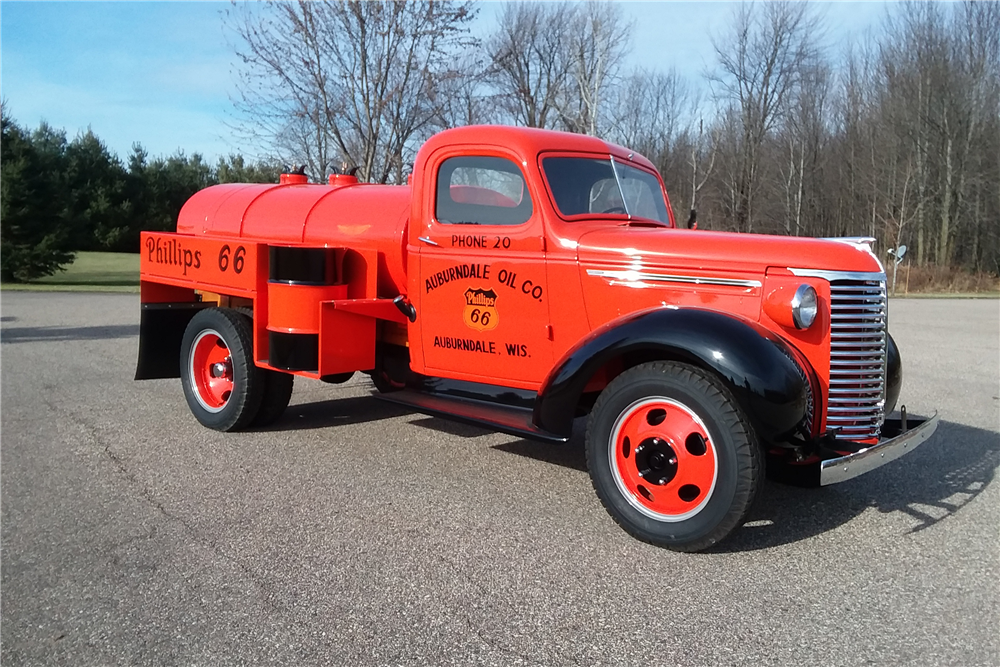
point(161, 329)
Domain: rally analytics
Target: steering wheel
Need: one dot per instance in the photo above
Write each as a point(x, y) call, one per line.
point(616, 209)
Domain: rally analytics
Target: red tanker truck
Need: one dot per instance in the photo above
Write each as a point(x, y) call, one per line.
point(524, 278)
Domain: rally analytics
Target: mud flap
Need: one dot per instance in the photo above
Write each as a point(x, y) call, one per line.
point(161, 329)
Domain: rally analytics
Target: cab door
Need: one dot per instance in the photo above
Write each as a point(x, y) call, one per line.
point(482, 303)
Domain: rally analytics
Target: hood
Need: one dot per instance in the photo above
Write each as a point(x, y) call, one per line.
point(738, 255)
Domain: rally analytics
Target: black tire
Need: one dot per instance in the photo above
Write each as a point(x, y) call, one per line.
point(277, 392)
point(695, 471)
point(383, 383)
point(220, 337)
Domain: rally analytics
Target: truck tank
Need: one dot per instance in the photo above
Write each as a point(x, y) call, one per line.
point(344, 213)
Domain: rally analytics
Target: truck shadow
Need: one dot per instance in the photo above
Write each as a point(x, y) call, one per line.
point(457, 429)
point(932, 483)
point(336, 412)
point(62, 334)
point(571, 455)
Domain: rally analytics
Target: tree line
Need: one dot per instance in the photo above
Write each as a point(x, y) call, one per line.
point(60, 196)
point(895, 136)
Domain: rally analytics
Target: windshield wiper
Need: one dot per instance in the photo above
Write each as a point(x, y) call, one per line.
point(621, 191)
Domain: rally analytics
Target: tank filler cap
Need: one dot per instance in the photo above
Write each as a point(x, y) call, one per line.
point(340, 177)
point(294, 175)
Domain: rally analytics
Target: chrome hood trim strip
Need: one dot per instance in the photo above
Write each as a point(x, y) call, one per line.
point(629, 276)
point(852, 240)
point(837, 275)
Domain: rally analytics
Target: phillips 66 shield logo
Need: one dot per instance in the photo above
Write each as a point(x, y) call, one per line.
point(481, 309)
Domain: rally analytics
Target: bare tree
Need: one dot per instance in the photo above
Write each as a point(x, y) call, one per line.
point(700, 172)
point(805, 134)
point(853, 142)
point(940, 72)
point(651, 113)
point(599, 43)
point(760, 64)
point(530, 64)
point(346, 80)
point(465, 97)
point(978, 29)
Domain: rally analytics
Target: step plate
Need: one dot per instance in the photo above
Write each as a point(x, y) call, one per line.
point(503, 418)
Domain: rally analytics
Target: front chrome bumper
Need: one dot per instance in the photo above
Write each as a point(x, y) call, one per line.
point(852, 465)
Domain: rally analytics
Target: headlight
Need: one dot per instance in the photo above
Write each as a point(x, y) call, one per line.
point(804, 306)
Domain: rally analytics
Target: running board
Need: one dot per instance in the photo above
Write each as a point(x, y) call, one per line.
point(494, 416)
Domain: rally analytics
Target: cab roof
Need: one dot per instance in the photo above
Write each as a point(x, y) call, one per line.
point(528, 141)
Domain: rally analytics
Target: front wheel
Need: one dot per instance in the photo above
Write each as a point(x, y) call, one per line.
point(222, 385)
point(672, 457)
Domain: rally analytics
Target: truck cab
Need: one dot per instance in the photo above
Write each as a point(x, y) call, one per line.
point(522, 279)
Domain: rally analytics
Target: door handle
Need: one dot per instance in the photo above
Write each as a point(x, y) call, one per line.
point(428, 241)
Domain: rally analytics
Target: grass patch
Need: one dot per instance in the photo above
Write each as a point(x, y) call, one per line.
point(90, 272)
point(943, 282)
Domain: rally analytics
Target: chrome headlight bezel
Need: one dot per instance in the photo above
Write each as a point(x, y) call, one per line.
point(805, 306)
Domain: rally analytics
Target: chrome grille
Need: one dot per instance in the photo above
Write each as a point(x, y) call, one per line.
point(858, 323)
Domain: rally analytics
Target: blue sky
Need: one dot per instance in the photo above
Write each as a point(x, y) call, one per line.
point(160, 73)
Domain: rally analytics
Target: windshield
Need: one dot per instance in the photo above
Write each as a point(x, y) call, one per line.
point(582, 186)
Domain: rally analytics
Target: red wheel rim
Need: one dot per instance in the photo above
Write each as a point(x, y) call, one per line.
point(211, 369)
point(663, 459)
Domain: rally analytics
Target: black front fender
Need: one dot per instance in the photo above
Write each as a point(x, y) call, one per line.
point(751, 361)
point(893, 375)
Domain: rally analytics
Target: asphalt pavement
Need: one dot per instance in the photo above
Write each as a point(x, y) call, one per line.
point(354, 532)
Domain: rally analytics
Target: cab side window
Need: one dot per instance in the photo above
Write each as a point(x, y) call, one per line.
point(481, 191)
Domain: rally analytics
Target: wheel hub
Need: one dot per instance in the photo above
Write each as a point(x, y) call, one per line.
point(663, 459)
point(656, 462)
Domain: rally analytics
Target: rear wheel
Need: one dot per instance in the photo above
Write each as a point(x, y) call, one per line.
point(222, 385)
point(277, 392)
point(671, 456)
point(277, 388)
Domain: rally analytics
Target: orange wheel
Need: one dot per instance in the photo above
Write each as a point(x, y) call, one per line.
point(211, 369)
point(664, 459)
point(672, 457)
point(222, 385)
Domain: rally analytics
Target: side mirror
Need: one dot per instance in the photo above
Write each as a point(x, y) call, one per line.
point(898, 253)
point(693, 220)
